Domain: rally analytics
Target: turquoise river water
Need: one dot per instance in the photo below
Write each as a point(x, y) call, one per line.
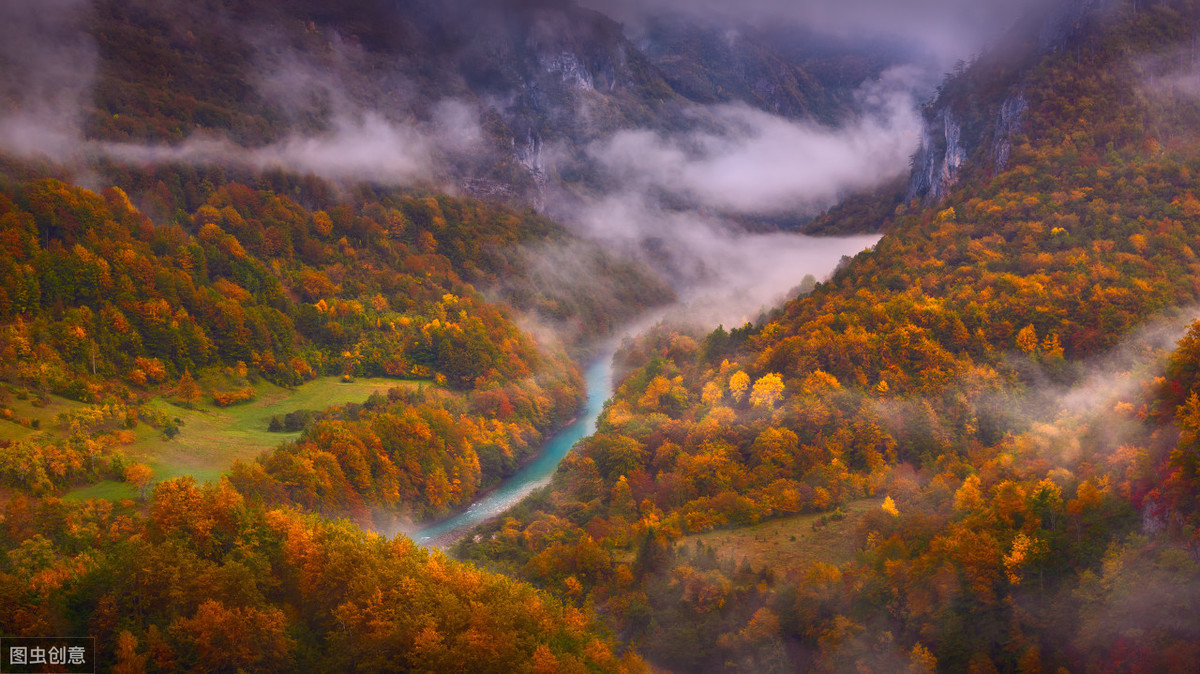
point(599, 379)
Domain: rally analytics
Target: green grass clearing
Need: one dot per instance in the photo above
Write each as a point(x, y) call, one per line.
point(789, 542)
point(108, 489)
point(10, 430)
point(211, 438)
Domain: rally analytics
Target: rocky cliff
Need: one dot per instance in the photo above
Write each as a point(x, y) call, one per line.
point(974, 120)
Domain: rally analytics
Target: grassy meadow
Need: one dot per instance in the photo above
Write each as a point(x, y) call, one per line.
point(211, 438)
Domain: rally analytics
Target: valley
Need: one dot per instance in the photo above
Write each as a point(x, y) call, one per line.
point(595, 336)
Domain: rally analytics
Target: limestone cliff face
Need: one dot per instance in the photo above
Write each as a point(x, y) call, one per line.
point(1009, 122)
point(944, 152)
point(939, 158)
point(946, 146)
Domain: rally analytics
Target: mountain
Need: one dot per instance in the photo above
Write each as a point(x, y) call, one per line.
point(541, 80)
point(985, 418)
point(974, 121)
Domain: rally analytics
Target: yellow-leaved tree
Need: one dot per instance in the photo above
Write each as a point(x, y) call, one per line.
point(738, 383)
point(767, 391)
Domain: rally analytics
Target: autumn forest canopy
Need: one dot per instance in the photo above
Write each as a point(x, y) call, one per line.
point(282, 283)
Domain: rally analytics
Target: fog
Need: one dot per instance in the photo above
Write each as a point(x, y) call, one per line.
point(672, 198)
point(1091, 402)
point(49, 64)
point(745, 160)
point(721, 273)
point(1121, 372)
point(356, 147)
point(753, 273)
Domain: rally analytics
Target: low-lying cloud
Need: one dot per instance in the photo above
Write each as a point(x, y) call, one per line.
point(722, 273)
point(366, 147)
point(1098, 388)
point(753, 273)
point(48, 61)
point(673, 198)
point(744, 160)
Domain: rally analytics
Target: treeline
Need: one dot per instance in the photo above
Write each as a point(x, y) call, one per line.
point(920, 371)
point(201, 582)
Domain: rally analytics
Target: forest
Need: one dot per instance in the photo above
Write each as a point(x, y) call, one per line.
point(974, 447)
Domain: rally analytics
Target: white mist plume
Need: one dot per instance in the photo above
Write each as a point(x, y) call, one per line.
point(1056, 413)
point(743, 161)
point(749, 161)
point(363, 148)
point(758, 272)
point(1120, 373)
point(722, 273)
point(49, 69)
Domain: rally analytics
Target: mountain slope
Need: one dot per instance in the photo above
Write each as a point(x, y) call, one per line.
point(201, 582)
point(201, 268)
point(952, 369)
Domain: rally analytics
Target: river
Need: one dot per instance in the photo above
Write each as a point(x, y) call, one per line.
point(599, 380)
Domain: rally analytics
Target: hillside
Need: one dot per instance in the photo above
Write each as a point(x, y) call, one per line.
point(104, 307)
point(200, 581)
point(125, 343)
point(959, 369)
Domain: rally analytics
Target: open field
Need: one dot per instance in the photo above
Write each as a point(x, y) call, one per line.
point(25, 409)
point(790, 542)
point(211, 438)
